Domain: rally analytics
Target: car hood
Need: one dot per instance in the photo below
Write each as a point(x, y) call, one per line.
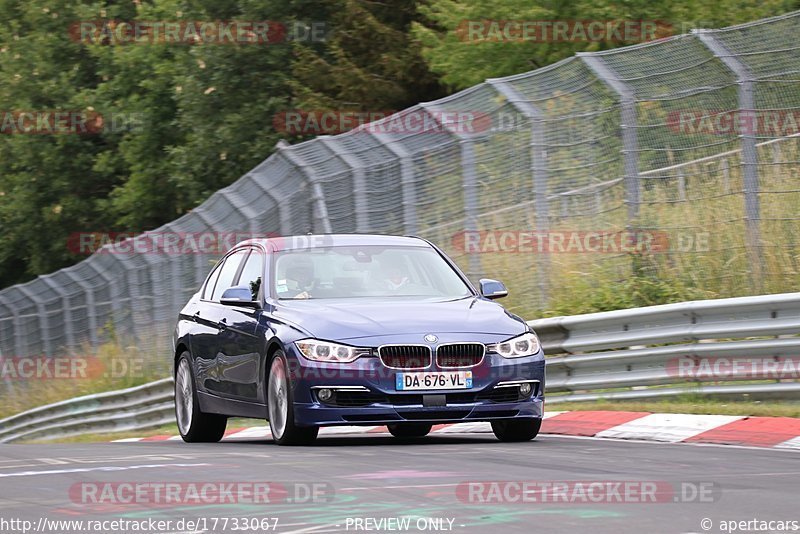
point(343, 319)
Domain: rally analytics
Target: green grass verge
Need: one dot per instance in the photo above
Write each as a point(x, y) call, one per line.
point(690, 405)
point(110, 367)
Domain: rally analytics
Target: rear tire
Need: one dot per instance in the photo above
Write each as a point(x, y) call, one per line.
point(409, 430)
point(194, 425)
point(280, 404)
point(516, 429)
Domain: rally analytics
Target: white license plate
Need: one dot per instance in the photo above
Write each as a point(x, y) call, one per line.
point(433, 381)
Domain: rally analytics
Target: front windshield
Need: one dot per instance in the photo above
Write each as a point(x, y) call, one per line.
point(365, 271)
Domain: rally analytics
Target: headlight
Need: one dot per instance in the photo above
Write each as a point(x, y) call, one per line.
point(517, 347)
point(325, 351)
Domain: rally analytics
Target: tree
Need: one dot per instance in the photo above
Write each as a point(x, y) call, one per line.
point(199, 117)
point(463, 59)
point(369, 63)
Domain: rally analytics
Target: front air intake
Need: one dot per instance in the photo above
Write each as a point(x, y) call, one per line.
point(405, 356)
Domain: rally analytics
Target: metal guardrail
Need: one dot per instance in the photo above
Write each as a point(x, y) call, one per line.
point(673, 345)
point(619, 355)
point(137, 408)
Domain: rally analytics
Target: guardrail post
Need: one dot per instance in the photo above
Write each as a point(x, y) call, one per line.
point(359, 184)
point(317, 195)
point(630, 143)
point(749, 153)
point(538, 170)
point(470, 183)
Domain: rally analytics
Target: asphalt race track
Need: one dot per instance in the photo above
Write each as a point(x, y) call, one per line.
point(363, 479)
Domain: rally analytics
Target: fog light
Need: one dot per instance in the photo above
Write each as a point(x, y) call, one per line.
point(325, 394)
point(525, 389)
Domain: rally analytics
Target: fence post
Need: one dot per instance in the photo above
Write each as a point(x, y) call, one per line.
point(409, 190)
point(8, 379)
point(317, 195)
point(160, 313)
point(19, 348)
point(359, 184)
point(203, 268)
point(91, 309)
point(249, 213)
point(283, 213)
point(726, 179)
point(749, 153)
point(66, 310)
point(42, 318)
point(470, 183)
point(120, 320)
point(630, 142)
point(538, 154)
point(681, 185)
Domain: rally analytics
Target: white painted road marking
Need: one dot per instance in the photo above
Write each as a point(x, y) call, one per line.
point(669, 427)
point(105, 468)
point(793, 443)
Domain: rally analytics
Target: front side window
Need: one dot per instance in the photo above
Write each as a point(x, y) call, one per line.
point(365, 271)
point(227, 273)
point(208, 290)
point(252, 272)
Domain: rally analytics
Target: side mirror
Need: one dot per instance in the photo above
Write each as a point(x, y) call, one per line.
point(238, 296)
point(492, 289)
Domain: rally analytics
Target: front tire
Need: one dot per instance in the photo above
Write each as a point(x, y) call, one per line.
point(280, 401)
point(409, 430)
point(194, 425)
point(516, 429)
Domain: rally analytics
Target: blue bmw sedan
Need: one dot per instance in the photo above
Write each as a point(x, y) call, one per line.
point(324, 330)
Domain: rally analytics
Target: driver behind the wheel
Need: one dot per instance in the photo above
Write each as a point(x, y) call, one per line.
point(299, 281)
point(395, 279)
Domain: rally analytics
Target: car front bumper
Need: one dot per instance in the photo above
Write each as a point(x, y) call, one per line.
point(383, 404)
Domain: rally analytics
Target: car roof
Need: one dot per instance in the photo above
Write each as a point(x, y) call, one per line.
point(334, 240)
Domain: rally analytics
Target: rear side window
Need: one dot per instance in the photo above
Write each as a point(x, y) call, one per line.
point(227, 273)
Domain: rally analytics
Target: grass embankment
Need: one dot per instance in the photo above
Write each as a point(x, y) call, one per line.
point(108, 367)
